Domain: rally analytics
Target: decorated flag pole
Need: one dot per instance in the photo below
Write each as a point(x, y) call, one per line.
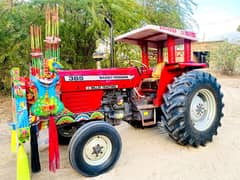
point(36, 50)
point(47, 31)
point(47, 104)
point(52, 48)
point(57, 33)
point(21, 123)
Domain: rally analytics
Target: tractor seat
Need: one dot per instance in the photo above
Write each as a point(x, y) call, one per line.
point(156, 74)
point(150, 85)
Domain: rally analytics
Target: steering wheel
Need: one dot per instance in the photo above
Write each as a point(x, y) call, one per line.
point(141, 69)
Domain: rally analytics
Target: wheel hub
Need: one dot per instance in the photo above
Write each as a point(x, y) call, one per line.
point(203, 109)
point(97, 150)
point(198, 108)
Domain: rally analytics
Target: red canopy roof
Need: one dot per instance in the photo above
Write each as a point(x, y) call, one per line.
point(154, 34)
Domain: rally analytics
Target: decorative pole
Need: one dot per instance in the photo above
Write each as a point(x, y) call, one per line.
point(21, 125)
point(52, 53)
point(36, 50)
point(52, 41)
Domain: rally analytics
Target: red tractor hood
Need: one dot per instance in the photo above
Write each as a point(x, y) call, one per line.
point(99, 79)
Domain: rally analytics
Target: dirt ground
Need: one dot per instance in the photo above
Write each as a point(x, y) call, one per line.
point(149, 154)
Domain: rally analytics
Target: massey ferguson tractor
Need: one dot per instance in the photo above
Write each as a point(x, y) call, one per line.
point(176, 91)
point(186, 99)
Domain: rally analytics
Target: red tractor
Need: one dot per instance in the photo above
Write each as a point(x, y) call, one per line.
point(186, 99)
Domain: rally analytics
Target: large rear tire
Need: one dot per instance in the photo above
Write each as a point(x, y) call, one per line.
point(94, 148)
point(192, 108)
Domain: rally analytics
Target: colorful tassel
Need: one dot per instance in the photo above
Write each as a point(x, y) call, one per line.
point(35, 163)
point(22, 164)
point(54, 157)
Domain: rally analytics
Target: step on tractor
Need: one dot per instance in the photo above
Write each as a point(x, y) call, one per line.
point(176, 92)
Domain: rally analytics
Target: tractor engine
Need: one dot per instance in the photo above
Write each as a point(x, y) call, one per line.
point(116, 106)
point(119, 105)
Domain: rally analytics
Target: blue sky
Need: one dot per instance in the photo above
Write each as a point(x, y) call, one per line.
point(216, 17)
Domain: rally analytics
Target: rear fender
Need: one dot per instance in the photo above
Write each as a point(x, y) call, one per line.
point(169, 72)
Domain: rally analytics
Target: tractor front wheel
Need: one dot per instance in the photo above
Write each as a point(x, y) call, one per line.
point(94, 148)
point(192, 108)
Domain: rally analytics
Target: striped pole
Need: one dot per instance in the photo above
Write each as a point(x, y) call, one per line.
point(52, 40)
point(36, 50)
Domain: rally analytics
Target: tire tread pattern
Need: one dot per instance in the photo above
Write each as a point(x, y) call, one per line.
point(174, 107)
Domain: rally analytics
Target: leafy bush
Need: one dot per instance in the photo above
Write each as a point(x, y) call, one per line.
point(225, 59)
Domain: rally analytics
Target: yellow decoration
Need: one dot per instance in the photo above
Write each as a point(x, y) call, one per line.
point(13, 141)
point(157, 70)
point(145, 113)
point(22, 164)
point(22, 105)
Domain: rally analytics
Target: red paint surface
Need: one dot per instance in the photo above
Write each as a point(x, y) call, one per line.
point(81, 85)
point(160, 54)
point(178, 31)
point(167, 77)
point(171, 49)
point(144, 48)
point(82, 101)
point(187, 50)
point(77, 98)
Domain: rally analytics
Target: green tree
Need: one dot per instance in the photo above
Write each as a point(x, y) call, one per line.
point(172, 13)
point(14, 39)
point(225, 59)
point(81, 25)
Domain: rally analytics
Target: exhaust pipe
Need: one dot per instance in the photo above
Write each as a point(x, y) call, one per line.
point(110, 24)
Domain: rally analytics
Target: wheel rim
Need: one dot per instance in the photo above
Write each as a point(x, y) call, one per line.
point(97, 150)
point(203, 109)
